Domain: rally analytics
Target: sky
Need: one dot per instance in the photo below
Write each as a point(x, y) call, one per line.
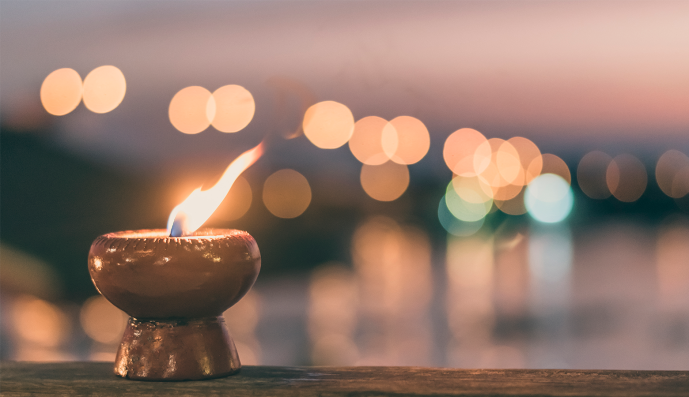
point(571, 76)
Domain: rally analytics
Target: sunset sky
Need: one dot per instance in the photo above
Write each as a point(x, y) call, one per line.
point(572, 76)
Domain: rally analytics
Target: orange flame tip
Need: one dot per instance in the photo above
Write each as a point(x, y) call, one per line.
point(193, 212)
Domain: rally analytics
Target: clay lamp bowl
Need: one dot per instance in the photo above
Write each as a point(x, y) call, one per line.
point(175, 289)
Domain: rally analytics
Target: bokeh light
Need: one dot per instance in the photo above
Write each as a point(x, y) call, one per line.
point(529, 156)
point(465, 210)
point(242, 319)
point(333, 301)
point(672, 251)
point(626, 178)
point(104, 89)
point(374, 140)
point(455, 226)
point(667, 168)
point(591, 174)
point(328, 124)
point(460, 149)
point(395, 278)
point(508, 164)
point(553, 164)
point(549, 198)
point(61, 91)
point(472, 189)
point(237, 202)
point(286, 193)
point(102, 321)
point(413, 140)
point(500, 168)
point(680, 183)
point(39, 322)
point(513, 206)
point(191, 110)
point(385, 182)
point(234, 108)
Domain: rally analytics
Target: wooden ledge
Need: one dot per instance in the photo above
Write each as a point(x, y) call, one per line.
point(21, 379)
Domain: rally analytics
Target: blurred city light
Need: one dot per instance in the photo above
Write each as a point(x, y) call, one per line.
point(591, 174)
point(530, 158)
point(234, 108)
point(374, 140)
point(102, 321)
point(460, 150)
point(39, 322)
point(333, 306)
point(385, 182)
point(393, 265)
point(328, 124)
point(509, 165)
point(242, 319)
point(502, 170)
point(549, 198)
point(472, 189)
point(672, 251)
point(454, 226)
point(104, 89)
point(513, 206)
point(286, 193)
point(464, 210)
point(413, 140)
point(469, 302)
point(669, 167)
point(192, 109)
point(553, 164)
point(61, 91)
point(626, 178)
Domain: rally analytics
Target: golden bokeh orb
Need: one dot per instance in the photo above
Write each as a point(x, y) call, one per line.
point(39, 322)
point(374, 140)
point(626, 178)
point(286, 193)
point(552, 164)
point(529, 156)
point(104, 89)
point(591, 174)
point(461, 148)
point(328, 124)
point(669, 165)
point(413, 140)
point(190, 109)
point(514, 205)
point(385, 182)
point(102, 321)
point(61, 91)
point(234, 108)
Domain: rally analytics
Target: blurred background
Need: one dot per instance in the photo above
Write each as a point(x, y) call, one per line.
point(454, 184)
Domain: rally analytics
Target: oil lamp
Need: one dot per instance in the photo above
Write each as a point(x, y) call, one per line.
point(175, 284)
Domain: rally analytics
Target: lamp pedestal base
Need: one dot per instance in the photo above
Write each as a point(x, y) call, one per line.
point(173, 350)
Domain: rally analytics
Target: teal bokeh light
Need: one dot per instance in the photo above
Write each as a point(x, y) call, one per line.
point(455, 226)
point(549, 198)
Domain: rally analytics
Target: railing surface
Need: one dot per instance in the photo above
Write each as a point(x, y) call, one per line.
point(23, 379)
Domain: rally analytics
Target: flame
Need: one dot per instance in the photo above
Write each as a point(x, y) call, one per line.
point(200, 205)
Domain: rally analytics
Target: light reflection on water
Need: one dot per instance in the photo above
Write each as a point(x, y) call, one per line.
point(532, 296)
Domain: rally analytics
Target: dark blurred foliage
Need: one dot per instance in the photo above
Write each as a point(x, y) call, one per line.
point(53, 205)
